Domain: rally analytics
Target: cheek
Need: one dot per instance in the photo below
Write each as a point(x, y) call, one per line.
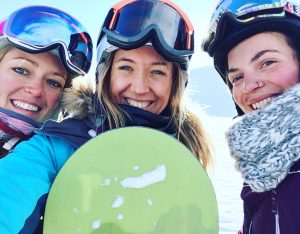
point(117, 84)
point(287, 78)
point(286, 75)
point(11, 85)
point(163, 90)
point(237, 95)
point(53, 100)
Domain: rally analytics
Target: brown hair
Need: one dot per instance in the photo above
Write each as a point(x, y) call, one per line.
point(189, 128)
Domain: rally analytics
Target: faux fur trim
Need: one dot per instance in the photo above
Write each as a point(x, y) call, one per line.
point(266, 143)
point(77, 101)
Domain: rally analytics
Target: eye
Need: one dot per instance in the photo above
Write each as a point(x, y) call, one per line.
point(158, 72)
point(268, 63)
point(54, 84)
point(20, 71)
point(235, 80)
point(125, 68)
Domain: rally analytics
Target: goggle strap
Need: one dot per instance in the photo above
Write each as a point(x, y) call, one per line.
point(2, 26)
point(113, 20)
point(121, 4)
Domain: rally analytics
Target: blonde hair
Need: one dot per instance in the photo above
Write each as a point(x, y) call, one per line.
point(4, 49)
point(189, 128)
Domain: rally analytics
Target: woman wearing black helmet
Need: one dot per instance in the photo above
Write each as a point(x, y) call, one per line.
point(141, 76)
point(35, 68)
point(256, 50)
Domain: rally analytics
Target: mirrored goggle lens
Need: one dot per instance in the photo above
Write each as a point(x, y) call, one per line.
point(139, 17)
point(38, 28)
point(245, 10)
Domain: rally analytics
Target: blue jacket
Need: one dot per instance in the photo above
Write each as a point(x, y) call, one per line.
point(26, 176)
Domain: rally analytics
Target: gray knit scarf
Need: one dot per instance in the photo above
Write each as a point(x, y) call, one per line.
point(266, 143)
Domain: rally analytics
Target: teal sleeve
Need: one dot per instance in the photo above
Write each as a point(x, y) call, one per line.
point(26, 175)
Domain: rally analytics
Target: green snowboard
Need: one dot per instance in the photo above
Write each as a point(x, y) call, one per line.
point(132, 180)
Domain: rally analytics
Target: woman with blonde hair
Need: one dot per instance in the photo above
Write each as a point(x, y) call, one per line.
point(35, 68)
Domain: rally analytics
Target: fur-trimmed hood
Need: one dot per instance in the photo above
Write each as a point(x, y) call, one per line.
point(77, 123)
point(77, 101)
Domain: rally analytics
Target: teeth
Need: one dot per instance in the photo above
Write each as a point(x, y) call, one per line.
point(138, 104)
point(262, 104)
point(25, 106)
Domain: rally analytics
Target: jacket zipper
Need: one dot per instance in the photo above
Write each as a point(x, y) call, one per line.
point(275, 211)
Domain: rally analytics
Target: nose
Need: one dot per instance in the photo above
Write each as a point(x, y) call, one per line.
point(251, 83)
point(140, 83)
point(34, 88)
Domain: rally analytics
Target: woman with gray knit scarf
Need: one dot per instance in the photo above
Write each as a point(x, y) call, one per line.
point(256, 50)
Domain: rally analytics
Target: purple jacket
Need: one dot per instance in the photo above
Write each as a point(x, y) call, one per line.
point(260, 209)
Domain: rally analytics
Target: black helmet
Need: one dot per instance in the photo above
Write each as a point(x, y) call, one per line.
point(235, 20)
point(131, 24)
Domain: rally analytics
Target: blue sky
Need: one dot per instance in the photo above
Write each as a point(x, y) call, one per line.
point(92, 12)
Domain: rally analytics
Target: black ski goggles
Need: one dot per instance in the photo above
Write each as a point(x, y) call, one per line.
point(132, 23)
point(244, 11)
point(40, 28)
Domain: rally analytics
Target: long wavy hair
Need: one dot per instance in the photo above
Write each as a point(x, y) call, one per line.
point(189, 128)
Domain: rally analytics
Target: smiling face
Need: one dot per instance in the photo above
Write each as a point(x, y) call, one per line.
point(261, 68)
point(31, 84)
point(141, 78)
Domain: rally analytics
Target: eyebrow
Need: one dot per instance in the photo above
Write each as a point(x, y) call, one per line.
point(231, 70)
point(254, 58)
point(261, 53)
point(26, 59)
point(124, 60)
point(57, 74)
point(161, 63)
